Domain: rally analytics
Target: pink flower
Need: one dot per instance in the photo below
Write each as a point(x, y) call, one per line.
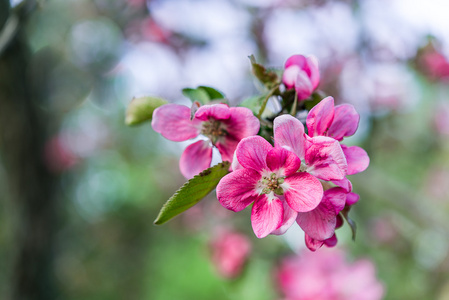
point(230, 251)
point(301, 73)
point(338, 122)
point(326, 275)
point(269, 178)
point(223, 126)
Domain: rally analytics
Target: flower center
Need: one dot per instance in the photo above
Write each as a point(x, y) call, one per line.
point(272, 184)
point(213, 130)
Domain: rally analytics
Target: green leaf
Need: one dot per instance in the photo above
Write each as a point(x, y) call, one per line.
point(351, 222)
point(141, 109)
point(268, 77)
point(202, 94)
point(192, 192)
point(254, 103)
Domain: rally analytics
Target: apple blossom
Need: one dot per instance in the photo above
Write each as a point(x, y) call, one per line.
point(223, 127)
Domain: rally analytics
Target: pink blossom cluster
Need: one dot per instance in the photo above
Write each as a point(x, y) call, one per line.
point(284, 182)
point(300, 178)
point(327, 276)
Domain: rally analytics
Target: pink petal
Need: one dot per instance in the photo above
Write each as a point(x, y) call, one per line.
point(215, 111)
point(302, 191)
point(357, 159)
point(314, 75)
point(325, 158)
point(344, 183)
point(320, 117)
point(346, 121)
point(352, 198)
point(331, 242)
point(195, 158)
point(266, 215)
point(226, 147)
point(287, 220)
point(303, 86)
point(237, 190)
point(240, 124)
point(284, 160)
point(298, 60)
point(289, 76)
point(289, 133)
point(319, 223)
point(339, 221)
point(252, 152)
point(173, 122)
point(337, 196)
point(313, 244)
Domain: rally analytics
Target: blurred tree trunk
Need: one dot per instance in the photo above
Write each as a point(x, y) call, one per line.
point(31, 186)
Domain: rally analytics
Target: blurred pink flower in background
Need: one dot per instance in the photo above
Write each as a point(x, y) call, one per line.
point(433, 63)
point(58, 155)
point(301, 73)
point(230, 251)
point(326, 275)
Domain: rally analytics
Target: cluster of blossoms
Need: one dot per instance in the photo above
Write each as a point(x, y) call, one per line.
point(328, 276)
point(300, 177)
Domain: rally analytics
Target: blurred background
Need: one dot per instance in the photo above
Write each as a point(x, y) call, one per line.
point(80, 190)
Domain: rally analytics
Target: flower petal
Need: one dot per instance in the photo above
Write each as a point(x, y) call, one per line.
point(302, 191)
point(287, 220)
point(237, 190)
point(284, 160)
point(319, 223)
point(252, 152)
point(320, 117)
point(240, 124)
point(195, 158)
point(266, 215)
point(215, 111)
point(325, 158)
point(345, 123)
point(226, 148)
point(357, 159)
point(337, 196)
point(313, 244)
point(344, 183)
point(289, 133)
point(303, 86)
point(314, 75)
point(289, 76)
point(331, 242)
point(173, 122)
point(352, 198)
